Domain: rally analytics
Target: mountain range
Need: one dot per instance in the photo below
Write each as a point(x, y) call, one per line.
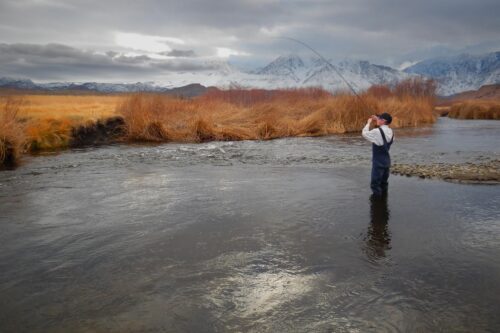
point(453, 74)
point(460, 73)
point(189, 90)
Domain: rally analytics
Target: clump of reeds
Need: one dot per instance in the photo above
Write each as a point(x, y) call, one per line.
point(144, 116)
point(239, 114)
point(475, 109)
point(12, 136)
point(48, 134)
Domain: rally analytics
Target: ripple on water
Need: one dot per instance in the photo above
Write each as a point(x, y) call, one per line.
point(271, 236)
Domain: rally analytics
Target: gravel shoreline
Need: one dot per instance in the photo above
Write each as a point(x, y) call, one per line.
point(471, 173)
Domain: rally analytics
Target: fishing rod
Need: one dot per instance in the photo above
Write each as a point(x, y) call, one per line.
point(327, 62)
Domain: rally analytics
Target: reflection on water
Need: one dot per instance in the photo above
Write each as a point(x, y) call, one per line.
point(378, 238)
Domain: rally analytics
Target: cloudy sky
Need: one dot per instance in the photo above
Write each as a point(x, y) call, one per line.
point(112, 40)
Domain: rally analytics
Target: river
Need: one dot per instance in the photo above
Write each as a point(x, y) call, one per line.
point(273, 236)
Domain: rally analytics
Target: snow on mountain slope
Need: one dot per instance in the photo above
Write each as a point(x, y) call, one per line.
point(454, 74)
point(287, 71)
point(460, 73)
point(289, 67)
point(103, 87)
point(293, 71)
point(8, 82)
point(360, 74)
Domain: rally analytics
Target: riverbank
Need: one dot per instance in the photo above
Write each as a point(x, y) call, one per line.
point(471, 173)
point(37, 123)
point(58, 122)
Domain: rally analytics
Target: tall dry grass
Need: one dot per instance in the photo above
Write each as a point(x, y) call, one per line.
point(239, 114)
point(475, 109)
point(49, 134)
point(42, 122)
point(12, 136)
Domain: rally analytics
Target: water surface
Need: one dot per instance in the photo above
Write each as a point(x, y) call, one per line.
point(274, 236)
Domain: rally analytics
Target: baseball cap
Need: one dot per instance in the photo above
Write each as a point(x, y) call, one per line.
point(387, 117)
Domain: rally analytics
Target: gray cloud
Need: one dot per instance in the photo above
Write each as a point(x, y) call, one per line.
point(180, 53)
point(383, 31)
point(61, 62)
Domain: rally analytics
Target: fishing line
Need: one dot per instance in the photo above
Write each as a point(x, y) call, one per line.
point(329, 64)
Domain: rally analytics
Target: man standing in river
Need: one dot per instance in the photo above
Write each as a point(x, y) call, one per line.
point(381, 139)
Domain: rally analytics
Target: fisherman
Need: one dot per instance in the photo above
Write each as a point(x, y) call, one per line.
point(381, 139)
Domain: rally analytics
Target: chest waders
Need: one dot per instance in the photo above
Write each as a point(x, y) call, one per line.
point(381, 163)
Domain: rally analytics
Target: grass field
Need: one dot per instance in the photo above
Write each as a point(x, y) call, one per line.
point(41, 122)
point(47, 120)
point(68, 107)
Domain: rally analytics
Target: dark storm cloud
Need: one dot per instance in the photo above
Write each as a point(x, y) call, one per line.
point(180, 53)
point(59, 62)
point(424, 17)
point(133, 60)
point(377, 30)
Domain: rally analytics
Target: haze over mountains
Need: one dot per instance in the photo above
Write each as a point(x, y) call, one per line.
point(453, 74)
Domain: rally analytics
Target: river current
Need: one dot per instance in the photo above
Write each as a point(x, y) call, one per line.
point(272, 236)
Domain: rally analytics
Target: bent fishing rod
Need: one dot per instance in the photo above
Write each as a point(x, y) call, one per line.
point(331, 66)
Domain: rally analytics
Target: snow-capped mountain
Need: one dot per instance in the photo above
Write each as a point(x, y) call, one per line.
point(293, 71)
point(454, 74)
point(103, 87)
point(290, 67)
point(8, 82)
point(460, 73)
point(189, 90)
point(360, 74)
point(288, 71)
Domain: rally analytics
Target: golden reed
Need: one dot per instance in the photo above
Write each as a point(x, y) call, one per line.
point(12, 135)
point(255, 114)
point(473, 109)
